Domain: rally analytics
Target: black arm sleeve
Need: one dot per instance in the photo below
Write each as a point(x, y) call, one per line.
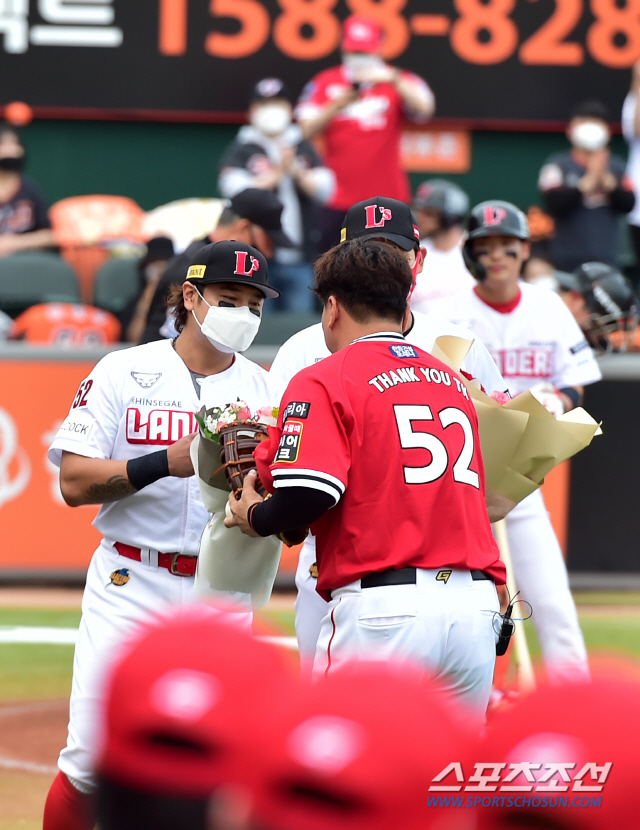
point(562, 200)
point(290, 509)
point(621, 199)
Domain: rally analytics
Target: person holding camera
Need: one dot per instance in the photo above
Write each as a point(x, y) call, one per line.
point(357, 109)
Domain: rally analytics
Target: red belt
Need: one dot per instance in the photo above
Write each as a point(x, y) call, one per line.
point(179, 564)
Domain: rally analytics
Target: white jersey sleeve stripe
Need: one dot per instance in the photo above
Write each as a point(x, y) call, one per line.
point(312, 474)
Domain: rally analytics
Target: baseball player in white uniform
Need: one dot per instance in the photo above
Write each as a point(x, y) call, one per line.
point(536, 344)
point(390, 220)
point(125, 446)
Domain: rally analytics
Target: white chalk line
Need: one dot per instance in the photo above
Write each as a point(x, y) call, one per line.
point(67, 636)
point(27, 766)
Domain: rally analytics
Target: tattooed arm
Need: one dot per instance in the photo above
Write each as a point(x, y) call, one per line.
point(86, 480)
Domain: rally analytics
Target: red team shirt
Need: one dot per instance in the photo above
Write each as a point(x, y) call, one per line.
point(391, 434)
point(362, 142)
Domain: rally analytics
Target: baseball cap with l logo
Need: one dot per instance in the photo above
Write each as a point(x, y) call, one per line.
point(230, 261)
point(381, 218)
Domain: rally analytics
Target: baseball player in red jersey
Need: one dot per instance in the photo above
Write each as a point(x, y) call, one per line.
point(387, 436)
point(125, 446)
point(392, 222)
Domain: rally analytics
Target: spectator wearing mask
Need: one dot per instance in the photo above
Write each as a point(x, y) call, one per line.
point(270, 153)
point(440, 209)
point(24, 218)
point(152, 266)
point(585, 191)
point(358, 109)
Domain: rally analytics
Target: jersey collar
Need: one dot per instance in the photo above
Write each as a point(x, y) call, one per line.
point(501, 308)
point(380, 336)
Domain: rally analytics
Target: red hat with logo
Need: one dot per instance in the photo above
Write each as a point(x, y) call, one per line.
point(359, 753)
point(361, 34)
point(186, 702)
point(571, 756)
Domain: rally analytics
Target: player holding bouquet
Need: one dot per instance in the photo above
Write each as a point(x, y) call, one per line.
point(126, 447)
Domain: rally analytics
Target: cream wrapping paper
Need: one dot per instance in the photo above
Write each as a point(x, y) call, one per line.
point(234, 570)
point(521, 442)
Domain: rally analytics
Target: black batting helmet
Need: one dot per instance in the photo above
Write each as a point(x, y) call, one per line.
point(495, 218)
point(446, 197)
point(611, 302)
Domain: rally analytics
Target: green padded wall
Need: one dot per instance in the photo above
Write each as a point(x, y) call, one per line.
point(155, 163)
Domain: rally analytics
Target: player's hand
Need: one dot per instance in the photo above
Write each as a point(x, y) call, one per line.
point(180, 464)
point(8, 244)
point(349, 96)
point(598, 162)
point(288, 159)
point(549, 397)
point(239, 509)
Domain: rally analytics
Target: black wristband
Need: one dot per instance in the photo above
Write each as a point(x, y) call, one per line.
point(249, 512)
point(148, 468)
point(572, 394)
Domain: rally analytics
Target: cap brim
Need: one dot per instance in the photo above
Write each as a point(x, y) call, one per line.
point(401, 241)
point(279, 238)
point(369, 47)
point(269, 292)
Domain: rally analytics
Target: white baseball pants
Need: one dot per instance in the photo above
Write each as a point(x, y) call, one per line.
point(541, 576)
point(110, 614)
point(446, 628)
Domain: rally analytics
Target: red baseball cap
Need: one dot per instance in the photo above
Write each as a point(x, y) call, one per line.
point(186, 702)
point(361, 34)
point(592, 731)
point(358, 754)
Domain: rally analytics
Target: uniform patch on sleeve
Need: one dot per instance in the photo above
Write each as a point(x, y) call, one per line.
point(76, 427)
point(579, 347)
point(296, 409)
point(289, 448)
point(403, 350)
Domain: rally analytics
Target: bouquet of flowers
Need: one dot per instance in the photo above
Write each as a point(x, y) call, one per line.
point(228, 437)
point(233, 569)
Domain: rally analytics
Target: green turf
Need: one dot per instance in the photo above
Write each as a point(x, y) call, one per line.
point(35, 670)
point(279, 618)
point(58, 617)
point(607, 597)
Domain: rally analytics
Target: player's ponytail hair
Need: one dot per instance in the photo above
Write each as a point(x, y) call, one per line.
point(175, 301)
point(370, 278)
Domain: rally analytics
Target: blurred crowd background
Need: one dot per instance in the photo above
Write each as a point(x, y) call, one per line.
point(92, 214)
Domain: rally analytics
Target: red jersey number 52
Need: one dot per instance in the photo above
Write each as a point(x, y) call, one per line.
point(406, 415)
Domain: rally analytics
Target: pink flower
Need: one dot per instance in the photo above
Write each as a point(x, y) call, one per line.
point(265, 412)
point(501, 397)
point(244, 414)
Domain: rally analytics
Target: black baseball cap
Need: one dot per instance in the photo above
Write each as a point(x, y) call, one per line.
point(263, 208)
point(230, 261)
point(381, 218)
point(269, 88)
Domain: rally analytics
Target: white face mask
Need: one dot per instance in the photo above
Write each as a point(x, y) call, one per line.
point(590, 136)
point(355, 63)
point(229, 329)
point(271, 119)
